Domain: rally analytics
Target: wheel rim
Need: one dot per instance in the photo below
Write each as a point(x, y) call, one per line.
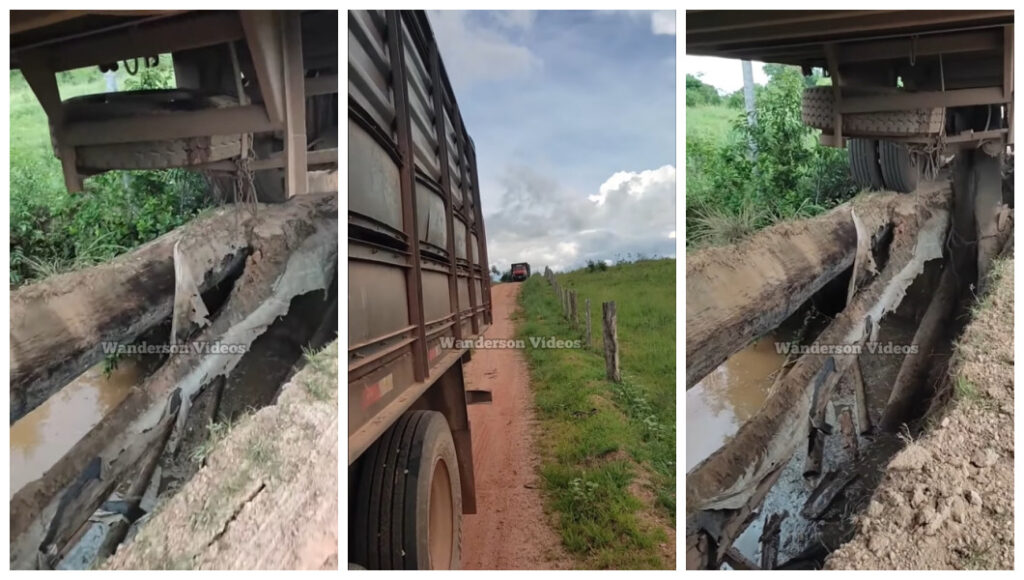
point(442, 518)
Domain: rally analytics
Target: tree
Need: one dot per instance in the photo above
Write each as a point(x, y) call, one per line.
point(700, 93)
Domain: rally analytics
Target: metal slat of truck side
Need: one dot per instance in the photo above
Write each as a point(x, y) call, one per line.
point(369, 67)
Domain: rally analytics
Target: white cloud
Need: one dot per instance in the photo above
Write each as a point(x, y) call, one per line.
point(473, 52)
point(544, 224)
point(514, 19)
point(663, 22)
point(633, 184)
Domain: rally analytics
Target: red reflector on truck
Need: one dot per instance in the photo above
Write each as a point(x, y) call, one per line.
point(374, 391)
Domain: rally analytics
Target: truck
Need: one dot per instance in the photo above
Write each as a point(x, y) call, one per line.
point(520, 271)
point(419, 294)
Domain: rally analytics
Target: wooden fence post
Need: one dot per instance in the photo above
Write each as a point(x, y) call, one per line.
point(611, 342)
point(572, 309)
point(586, 302)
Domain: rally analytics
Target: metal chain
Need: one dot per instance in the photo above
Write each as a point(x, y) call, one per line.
point(245, 188)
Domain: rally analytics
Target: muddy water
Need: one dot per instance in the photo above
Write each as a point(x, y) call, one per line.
point(44, 435)
point(728, 397)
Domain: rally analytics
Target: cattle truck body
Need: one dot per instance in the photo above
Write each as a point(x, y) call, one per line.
point(418, 272)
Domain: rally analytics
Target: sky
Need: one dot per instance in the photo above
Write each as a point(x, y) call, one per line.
point(573, 117)
point(725, 74)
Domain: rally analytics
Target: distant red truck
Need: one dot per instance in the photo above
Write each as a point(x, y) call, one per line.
point(520, 271)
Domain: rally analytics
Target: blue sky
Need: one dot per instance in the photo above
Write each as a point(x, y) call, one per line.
point(573, 117)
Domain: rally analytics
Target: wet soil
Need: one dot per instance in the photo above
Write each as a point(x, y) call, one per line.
point(510, 529)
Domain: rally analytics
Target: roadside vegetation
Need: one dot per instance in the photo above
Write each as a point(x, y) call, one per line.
point(53, 231)
point(608, 449)
point(741, 177)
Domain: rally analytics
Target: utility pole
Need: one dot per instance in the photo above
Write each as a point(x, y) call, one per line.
point(111, 78)
point(748, 99)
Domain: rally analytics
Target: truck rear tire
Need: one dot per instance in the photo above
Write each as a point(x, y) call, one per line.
point(900, 169)
point(864, 163)
point(407, 512)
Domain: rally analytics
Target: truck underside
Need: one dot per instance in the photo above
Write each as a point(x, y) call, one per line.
point(923, 102)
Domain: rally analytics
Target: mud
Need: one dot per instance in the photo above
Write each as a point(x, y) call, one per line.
point(510, 530)
point(43, 436)
point(729, 396)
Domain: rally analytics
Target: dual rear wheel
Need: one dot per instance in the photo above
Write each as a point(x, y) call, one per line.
point(407, 506)
point(880, 164)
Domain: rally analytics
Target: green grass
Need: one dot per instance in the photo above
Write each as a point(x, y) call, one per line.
point(711, 122)
point(321, 381)
point(30, 134)
point(601, 440)
point(53, 231)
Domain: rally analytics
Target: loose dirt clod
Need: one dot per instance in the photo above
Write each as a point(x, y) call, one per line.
point(912, 458)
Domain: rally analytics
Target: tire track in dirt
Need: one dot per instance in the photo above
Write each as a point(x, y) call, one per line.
point(510, 529)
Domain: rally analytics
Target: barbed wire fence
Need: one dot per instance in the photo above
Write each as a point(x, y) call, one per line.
point(581, 321)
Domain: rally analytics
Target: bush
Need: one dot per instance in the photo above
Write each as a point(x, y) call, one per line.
point(732, 191)
point(53, 231)
point(699, 93)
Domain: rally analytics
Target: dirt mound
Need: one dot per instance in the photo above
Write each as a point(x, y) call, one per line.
point(946, 501)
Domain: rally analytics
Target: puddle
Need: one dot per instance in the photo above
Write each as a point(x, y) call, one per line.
point(728, 397)
point(43, 436)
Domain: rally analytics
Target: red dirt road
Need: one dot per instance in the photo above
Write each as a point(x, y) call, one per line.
point(510, 529)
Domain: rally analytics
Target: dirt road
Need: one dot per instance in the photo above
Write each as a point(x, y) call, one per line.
point(510, 529)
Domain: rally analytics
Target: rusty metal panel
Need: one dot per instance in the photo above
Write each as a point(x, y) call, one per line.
point(369, 68)
point(464, 293)
point(460, 240)
point(373, 179)
point(430, 212)
point(372, 392)
point(474, 244)
point(454, 167)
point(796, 36)
point(435, 295)
point(376, 301)
point(421, 109)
